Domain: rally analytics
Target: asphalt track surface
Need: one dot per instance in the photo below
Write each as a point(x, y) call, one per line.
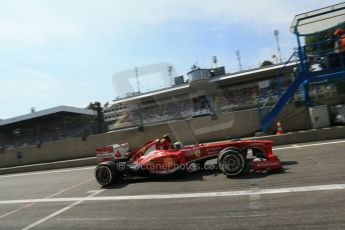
point(310, 194)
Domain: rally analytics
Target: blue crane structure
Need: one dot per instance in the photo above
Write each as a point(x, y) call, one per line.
point(317, 60)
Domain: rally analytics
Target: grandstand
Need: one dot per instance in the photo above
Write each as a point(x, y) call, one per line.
point(58, 123)
point(205, 94)
point(114, 113)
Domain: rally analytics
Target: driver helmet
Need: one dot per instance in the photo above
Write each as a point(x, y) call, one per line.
point(178, 145)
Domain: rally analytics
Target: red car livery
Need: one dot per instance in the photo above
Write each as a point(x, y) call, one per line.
point(153, 159)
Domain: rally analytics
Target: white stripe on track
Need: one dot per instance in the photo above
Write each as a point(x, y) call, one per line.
point(47, 172)
point(296, 146)
point(94, 193)
point(50, 196)
point(186, 195)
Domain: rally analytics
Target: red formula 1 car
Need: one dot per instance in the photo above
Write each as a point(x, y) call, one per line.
point(115, 162)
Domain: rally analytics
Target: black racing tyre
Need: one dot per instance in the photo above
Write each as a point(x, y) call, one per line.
point(231, 162)
point(106, 174)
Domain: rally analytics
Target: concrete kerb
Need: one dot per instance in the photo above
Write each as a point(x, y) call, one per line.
point(337, 132)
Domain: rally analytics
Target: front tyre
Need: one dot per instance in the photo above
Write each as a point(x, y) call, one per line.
point(231, 162)
point(106, 174)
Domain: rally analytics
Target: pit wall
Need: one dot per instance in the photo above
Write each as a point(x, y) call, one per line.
point(197, 130)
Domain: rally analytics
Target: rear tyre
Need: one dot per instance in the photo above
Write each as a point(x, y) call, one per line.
point(106, 174)
point(231, 162)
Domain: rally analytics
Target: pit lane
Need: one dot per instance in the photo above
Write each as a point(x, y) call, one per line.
point(308, 165)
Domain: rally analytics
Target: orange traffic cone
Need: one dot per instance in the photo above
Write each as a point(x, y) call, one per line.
point(279, 128)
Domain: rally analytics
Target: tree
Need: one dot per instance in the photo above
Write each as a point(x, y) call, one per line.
point(266, 63)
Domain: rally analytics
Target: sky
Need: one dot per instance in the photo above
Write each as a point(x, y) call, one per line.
point(65, 52)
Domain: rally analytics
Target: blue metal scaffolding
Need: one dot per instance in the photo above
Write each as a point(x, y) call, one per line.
point(318, 61)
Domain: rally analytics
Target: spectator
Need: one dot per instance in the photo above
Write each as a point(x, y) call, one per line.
point(338, 57)
point(339, 45)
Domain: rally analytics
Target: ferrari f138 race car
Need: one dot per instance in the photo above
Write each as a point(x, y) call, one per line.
point(160, 157)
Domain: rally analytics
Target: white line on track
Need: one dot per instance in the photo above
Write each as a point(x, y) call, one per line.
point(187, 195)
point(167, 218)
point(48, 172)
point(50, 196)
point(295, 146)
point(94, 193)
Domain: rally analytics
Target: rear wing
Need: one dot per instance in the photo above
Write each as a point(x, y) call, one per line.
point(116, 152)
